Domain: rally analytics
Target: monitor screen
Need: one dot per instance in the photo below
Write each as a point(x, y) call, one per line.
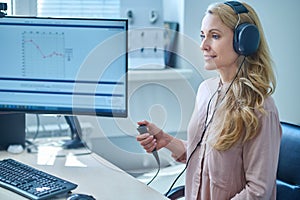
point(64, 66)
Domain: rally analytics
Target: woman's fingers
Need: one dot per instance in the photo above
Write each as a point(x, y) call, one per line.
point(147, 141)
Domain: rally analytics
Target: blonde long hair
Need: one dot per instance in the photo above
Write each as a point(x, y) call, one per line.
point(255, 82)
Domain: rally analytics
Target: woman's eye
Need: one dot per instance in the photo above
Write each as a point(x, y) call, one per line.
point(202, 36)
point(215, 36)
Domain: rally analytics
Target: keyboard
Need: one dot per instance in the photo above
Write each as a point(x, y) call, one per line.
point(30, 182)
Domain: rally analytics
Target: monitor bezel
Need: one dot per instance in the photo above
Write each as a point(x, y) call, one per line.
point(76, 111)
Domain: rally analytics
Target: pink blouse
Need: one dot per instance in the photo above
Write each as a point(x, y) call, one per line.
point(245, 171)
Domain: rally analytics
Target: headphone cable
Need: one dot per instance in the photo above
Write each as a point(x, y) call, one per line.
point(206, 125)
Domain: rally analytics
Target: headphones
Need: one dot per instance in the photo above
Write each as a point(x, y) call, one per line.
point(246, 36)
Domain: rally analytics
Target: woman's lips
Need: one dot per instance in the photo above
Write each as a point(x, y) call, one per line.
point(209, 57)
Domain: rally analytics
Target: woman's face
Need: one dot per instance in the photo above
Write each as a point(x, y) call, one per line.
point(217, 46)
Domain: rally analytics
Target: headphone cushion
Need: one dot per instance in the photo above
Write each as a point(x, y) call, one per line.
point(246, 39)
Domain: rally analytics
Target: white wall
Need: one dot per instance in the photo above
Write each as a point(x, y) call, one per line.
point(281, 26)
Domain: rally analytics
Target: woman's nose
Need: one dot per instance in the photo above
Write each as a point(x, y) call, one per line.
point(204, 44)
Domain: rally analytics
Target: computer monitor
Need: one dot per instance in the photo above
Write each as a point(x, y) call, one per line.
point(64, 66)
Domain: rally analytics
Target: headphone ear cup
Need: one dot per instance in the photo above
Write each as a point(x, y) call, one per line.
point(246, 39)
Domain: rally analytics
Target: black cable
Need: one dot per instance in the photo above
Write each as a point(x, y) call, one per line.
point(32, 147)
point(155, 154)
point(74, 126)
point(38, 123)
point(198, 144)
point(206, 124)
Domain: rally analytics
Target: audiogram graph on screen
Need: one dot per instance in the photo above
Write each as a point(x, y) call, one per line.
point(43, 54)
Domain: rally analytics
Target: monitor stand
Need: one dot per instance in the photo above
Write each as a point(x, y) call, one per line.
point(76, 132)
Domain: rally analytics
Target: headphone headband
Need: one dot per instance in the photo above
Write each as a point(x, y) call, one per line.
point(237, 7)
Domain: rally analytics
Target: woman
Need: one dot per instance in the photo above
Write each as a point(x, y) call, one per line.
point(234, 133)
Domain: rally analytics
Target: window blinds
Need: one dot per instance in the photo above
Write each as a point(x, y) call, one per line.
point(79, 8)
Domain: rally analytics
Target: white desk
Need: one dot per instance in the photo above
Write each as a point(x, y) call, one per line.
point(93, 175)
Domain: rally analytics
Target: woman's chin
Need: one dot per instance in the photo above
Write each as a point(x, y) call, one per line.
point(210, 66)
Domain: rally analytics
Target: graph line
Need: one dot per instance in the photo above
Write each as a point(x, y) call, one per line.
point(54, 53)
point(43, 54)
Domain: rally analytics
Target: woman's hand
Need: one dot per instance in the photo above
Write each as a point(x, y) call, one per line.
point(153, 139)
point(156, 138)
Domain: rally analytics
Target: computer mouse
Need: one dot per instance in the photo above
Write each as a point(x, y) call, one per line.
point(15, 148)
point(80, 197)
